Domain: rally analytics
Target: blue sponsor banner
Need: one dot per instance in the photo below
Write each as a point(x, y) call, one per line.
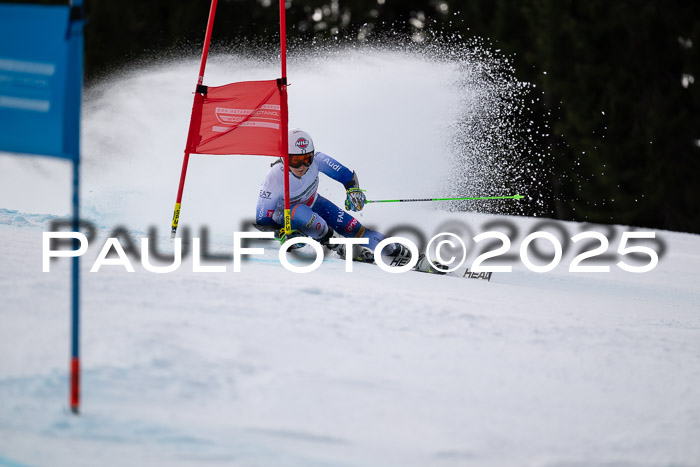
point(41, 68)
point(41, 80)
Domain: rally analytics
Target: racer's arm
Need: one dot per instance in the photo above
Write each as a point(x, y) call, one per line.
point(355, 200)
point(335, 169)
point(268, 199)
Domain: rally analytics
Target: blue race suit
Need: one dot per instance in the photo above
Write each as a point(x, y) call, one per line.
point(311, 213)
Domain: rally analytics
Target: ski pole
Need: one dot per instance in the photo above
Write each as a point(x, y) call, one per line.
point(441, 199)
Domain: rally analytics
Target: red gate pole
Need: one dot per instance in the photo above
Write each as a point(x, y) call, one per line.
point(284, 152)
point(198, 98)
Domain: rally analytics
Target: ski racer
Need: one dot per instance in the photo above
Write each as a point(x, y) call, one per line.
point(314, 216)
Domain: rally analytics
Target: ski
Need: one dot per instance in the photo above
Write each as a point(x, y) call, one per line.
point(394, 261)
point(477, 275)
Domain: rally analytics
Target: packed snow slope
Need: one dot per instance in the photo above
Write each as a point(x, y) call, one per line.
point(330, 368)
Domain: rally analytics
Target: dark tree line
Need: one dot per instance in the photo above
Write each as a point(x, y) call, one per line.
point(616, 77)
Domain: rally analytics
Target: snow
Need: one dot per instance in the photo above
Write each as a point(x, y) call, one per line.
point(269, 367)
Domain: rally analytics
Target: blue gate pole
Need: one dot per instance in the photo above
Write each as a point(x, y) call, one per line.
point(75, 314)
point(75, 86)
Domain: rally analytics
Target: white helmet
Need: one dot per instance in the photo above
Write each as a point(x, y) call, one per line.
point(300, 142)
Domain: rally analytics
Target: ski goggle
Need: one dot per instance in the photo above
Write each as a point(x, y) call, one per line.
point(297, 160)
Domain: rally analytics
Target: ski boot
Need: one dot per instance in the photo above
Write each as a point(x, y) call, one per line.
point(423, 265)
point(360, 253)
point(401, 255)
point(282, 237)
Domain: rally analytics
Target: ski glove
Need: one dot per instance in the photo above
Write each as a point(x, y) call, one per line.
point(355, 200)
